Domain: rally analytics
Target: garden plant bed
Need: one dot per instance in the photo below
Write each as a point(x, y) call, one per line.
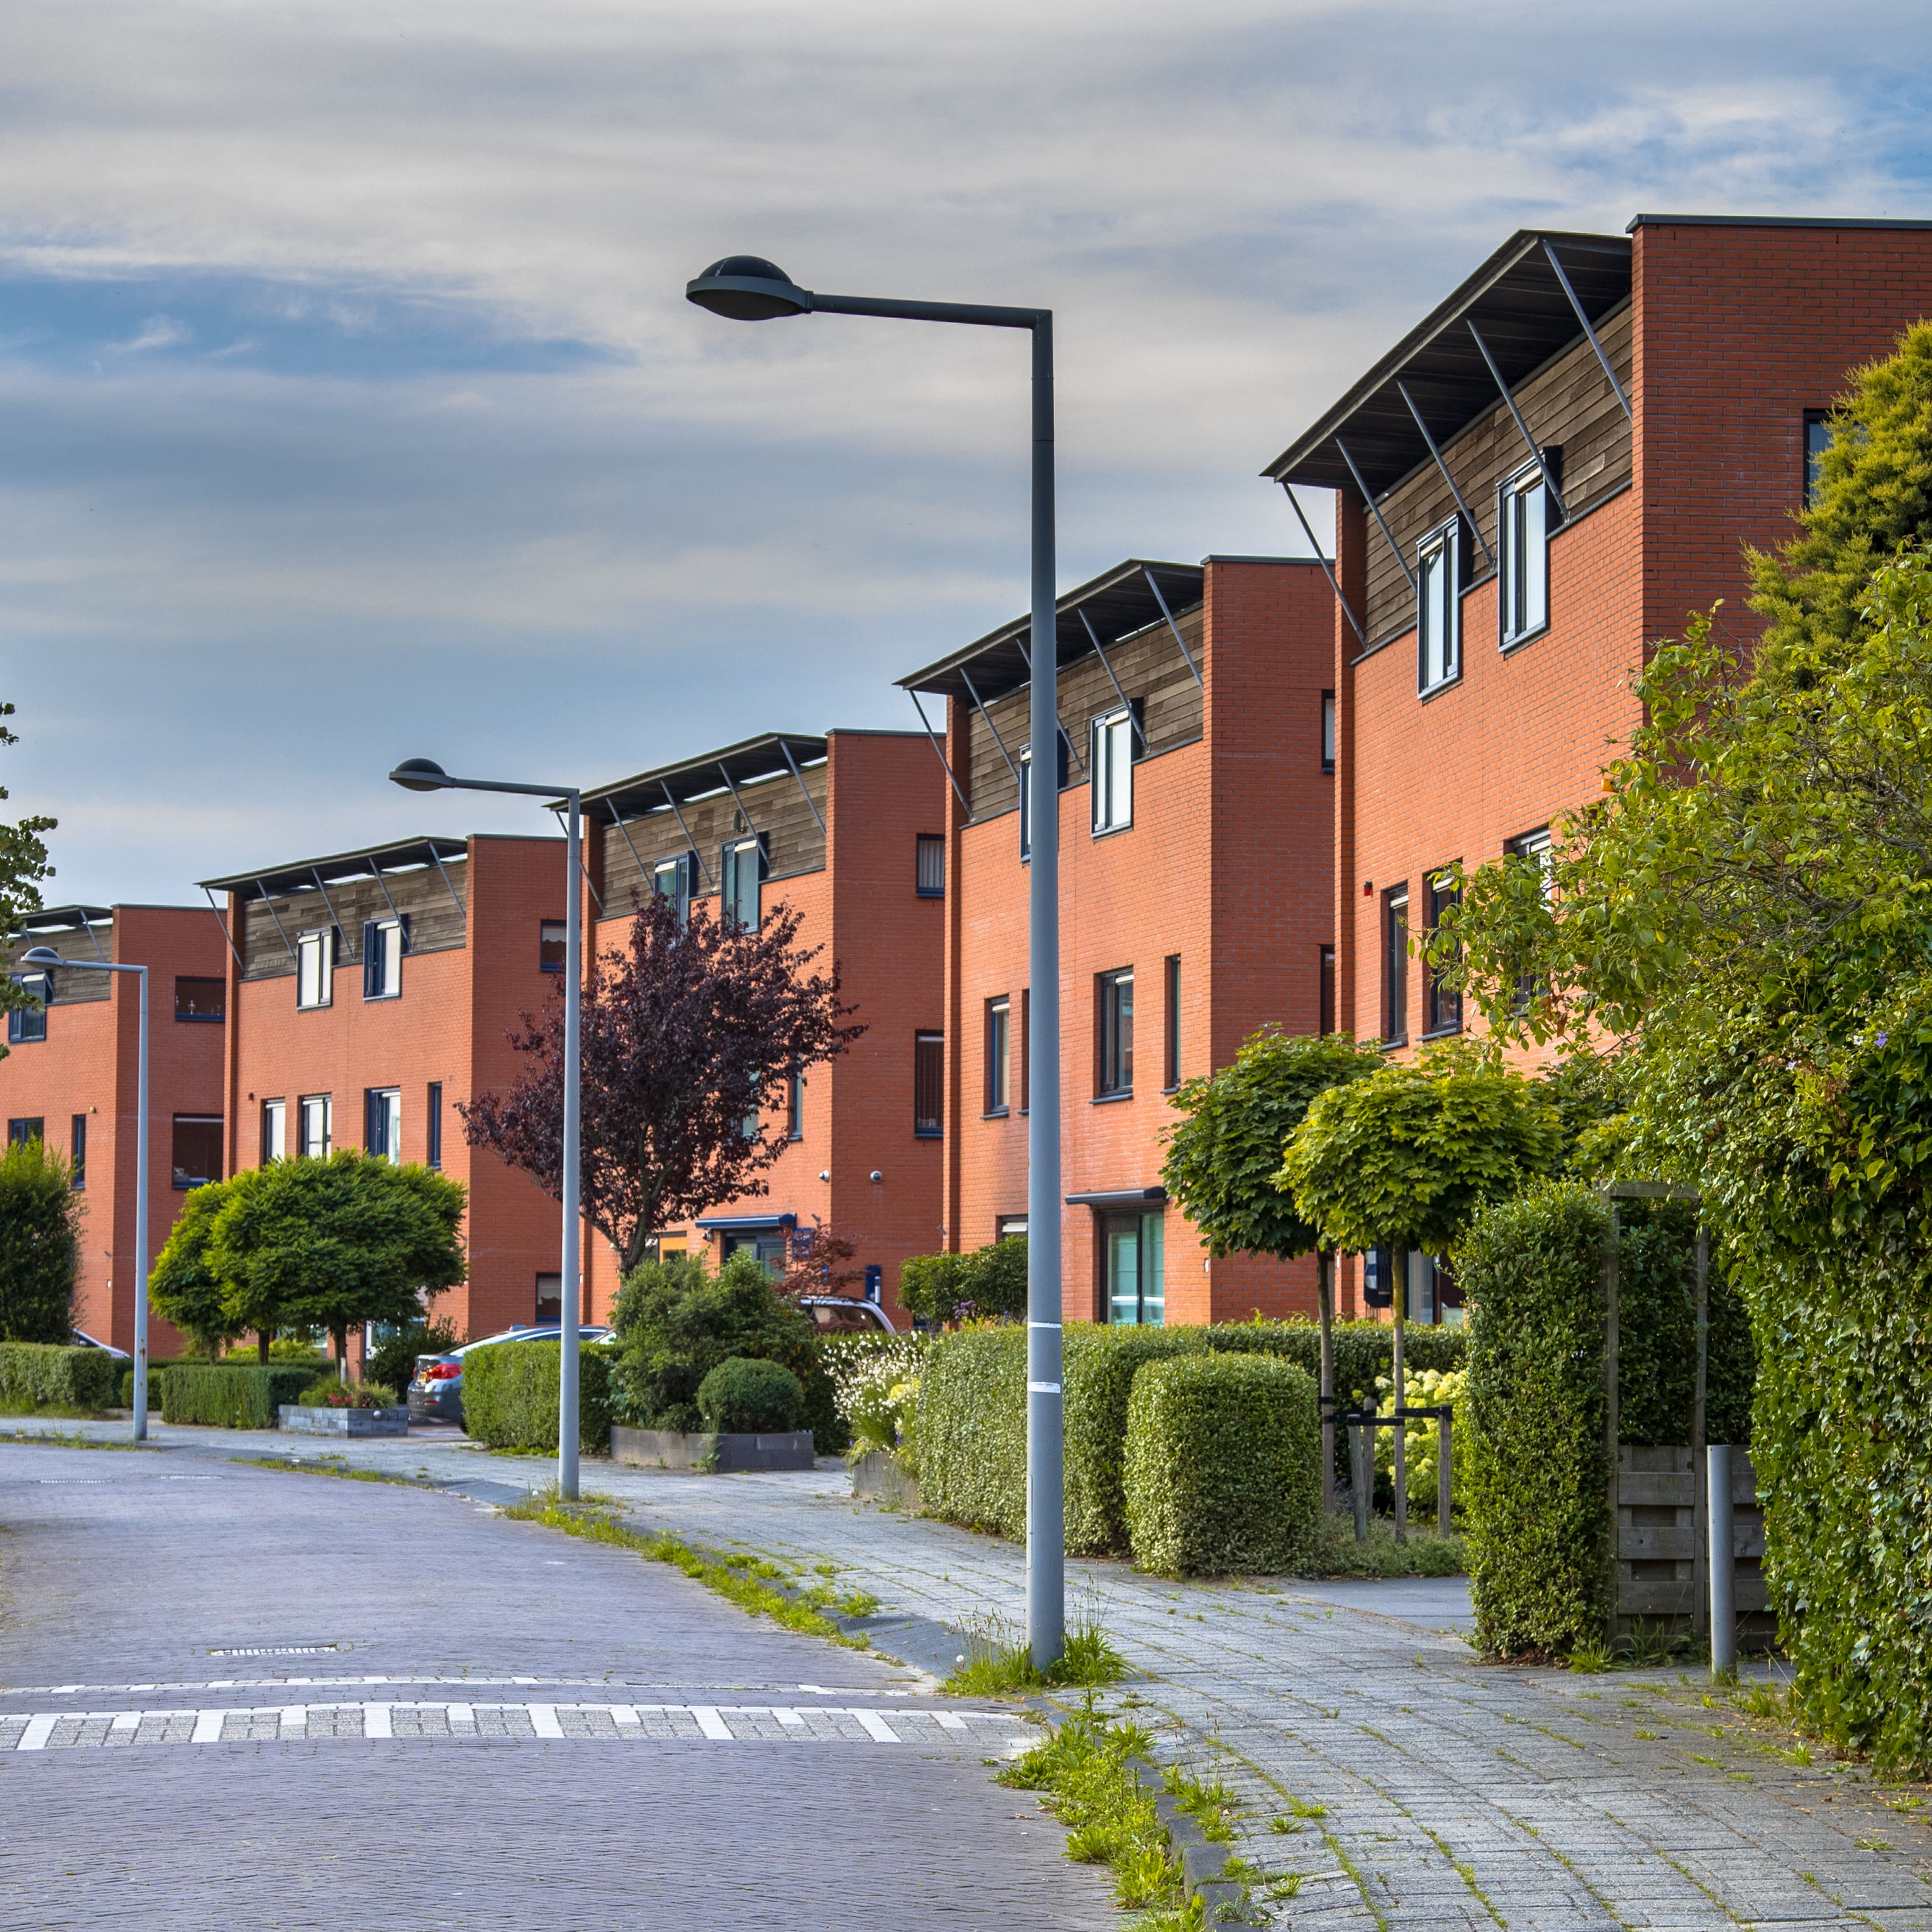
point(332, 1421)
point(877, 1477)
point(665, 1449)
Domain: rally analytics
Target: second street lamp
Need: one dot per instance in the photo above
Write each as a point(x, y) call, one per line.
point(747, 288)
point(424, 775)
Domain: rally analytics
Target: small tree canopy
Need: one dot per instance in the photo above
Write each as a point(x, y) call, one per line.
point(1223, 1158)
point(989, 1283)
point(184, 1286)
point(1403, 1158)
point(40, 1231)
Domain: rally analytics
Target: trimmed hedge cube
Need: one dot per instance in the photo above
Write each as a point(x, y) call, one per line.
point(510, 1395)
point(1223, 1466)
point(222, 1397)
point(49, 1375)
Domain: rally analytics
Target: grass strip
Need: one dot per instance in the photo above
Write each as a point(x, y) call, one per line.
point(55, 1441)
point(328, 1466)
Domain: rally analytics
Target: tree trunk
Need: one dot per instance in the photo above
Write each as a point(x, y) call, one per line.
point(261, 1347)
point(342, 1352)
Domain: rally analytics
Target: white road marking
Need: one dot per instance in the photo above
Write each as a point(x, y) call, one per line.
point(709, 1723)
point(35, 1736)
point(375, 1721)
point(792, 1720)
point(208, 1727)
point(543, 1720)
point(876, 1726)
point(949, 1720)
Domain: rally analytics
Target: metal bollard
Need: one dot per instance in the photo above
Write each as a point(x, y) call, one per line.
point(1723, 1564)
point(1445, 1488)
point(1362, 1472)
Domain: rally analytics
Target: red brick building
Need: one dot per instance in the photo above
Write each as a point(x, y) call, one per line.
point(849, 830)
point(1196, 867)
point(1539, 482)
point(69, 1077)
point(367, 993)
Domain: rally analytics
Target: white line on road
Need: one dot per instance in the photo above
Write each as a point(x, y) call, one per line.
point(876, 1726)
point(208, 1727)
point(709, 1723)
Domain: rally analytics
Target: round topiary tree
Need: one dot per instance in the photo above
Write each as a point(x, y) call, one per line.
point(743, 1395)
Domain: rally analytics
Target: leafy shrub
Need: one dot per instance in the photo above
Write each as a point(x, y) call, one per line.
point(1223, 1466)
point(972, 1429)
point(510, 1395)
point(48, 1376)
point(1098, 1367)
point(331, 1392)
point(393, 1360)
point(875, 1389)
point(230, 1397)
point(988, 1284)
point(39, 1235)
point(743, 1395)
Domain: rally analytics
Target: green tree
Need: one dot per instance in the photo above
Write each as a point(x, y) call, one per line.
point(39, 1240)
point(23, 865)
point(184, 1286)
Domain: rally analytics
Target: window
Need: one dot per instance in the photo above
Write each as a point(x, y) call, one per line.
point(744, 869)
point(1328, 730)
point(1114, 1029)
point(1009, 1227)
point(676, 879)
point(19, 1132)
point(315, 968)
point(383, 1122)
point(1026, 1047)
point(1522, 553)
point(315, 1124)
point(794, 1105)
point(1438, 617)
point(1325, 998)
point(931, 875)
point(197, 1150)
point(1133, 1252)
point(1112, 770)
point(1442, 1005)
point(1395, 967)
point(553, 945)
point(201, 999)
point(275, 1130)
point(1170, 979)
point(76, 1147)
point(1817, 440)
point(1533, 848)
point(384, 943)
point(549, 1297)
point(928, 1084)
point(432, 1125)
point(29, 1023)
point(1026, 793)
point(999, 1055)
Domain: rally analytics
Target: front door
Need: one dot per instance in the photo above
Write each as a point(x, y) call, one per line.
point(1132, 1250)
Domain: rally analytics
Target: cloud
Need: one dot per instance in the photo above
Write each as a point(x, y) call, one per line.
point(158, 331)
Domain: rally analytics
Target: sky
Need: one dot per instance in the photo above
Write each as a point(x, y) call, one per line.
point(350, 408)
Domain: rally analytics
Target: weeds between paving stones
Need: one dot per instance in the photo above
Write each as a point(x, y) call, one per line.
point(51, 1441)
point(997, 1662)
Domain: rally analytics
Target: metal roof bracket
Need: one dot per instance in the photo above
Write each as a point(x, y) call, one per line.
point(1402, 389)
point(377, 868)
point(1589, 331)
point(811, 802)
point(939, 752)
point(1375, 510)
point(1327, 569)
point(462, 910)
point(1542, 461)
point(643, 871)
point(226, 939)
point(671, 799)
point(1026, 655)
point(752, 830)
point(1133, 715)
point(277, 917)
point(968, 675)
point(333, 920)
point(1173, 626)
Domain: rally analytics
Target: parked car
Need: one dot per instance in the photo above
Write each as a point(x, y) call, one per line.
point(436, 1390)
point(82, 1339)
point(846, 1314)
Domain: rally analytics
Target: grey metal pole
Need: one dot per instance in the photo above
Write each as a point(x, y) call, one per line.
point(570, 1301)
point(141, 1222)
point(1723, 1611)
point(1046, 1554)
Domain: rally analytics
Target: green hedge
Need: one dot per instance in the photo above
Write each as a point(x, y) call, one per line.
point(510, 1395)
point(972, 1429)
point(50, 1376)
point(225, 1397)
point(1222, 1467)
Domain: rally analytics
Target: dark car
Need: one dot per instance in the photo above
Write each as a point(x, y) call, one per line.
point(436, 1390)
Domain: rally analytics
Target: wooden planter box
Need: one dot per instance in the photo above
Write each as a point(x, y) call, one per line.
point(877, 1477)
point(664, 1449)
point(344, 1421)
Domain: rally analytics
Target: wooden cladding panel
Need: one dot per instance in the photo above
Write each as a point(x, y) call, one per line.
point(1150, 667)
point(1568, 403)
point(774, 806)
point(71, 989)
point(437, 925)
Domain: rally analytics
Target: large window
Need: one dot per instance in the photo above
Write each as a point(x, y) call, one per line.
point(930, 873)
point(383, 1122)
point(31, 1127)
point(384, 943)
point(549, 1298)
point(1439, 618)
point(432, 1125)
point(77, 1148)
point(197, 1150)
point(1133, 1259)
point(553, 945)
point(1442, 1004)
point(676, 879)
point(314, 1125)
point(744, 869)
point(1170, 1057)
point(1113, 1033)
point(928, 1084)
point(275, 1130)
point(201, 999)
point(315, 968)
point(999, 1055)
point(1522, 558)
point(29, 1024)
point(1112, 771)
point(1395, 967)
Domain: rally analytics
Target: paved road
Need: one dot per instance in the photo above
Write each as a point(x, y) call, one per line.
point(240, 1697)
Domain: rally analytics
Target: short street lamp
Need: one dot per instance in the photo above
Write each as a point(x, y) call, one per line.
point(422, 774)
point(46, 957)
point(749, 289)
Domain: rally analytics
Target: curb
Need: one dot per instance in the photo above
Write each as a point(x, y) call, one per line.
point(1202, 1860)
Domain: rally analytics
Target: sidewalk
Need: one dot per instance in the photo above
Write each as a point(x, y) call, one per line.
point(1450, 1793)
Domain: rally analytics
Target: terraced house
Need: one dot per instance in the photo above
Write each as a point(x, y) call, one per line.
point(1541, 479)
point(1194, 763)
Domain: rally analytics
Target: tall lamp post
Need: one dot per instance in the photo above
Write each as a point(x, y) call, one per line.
point(749, 289)
point(46, 956)
point(424, 775)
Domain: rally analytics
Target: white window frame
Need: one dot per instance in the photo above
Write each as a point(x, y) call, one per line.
point(315, 1108)
point(274, 1130)
point(676, 873)
point(749, 848)
point(1026, 803)
point(1439, 608)
point(389, 1101)
point(315, 969)
point(1112, 770)
point(1523, 531)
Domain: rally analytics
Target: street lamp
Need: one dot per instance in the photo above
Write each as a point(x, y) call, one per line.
point(749, 289)
point(46, 956)
point(424, 775)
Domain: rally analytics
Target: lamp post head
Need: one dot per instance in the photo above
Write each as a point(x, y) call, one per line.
point(747, 289)
point(420, 775)
point(40, 956)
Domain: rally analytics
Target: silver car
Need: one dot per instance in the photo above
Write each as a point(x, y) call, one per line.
point(436, 1390)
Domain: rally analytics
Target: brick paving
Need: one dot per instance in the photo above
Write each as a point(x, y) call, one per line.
point(1419, 1789)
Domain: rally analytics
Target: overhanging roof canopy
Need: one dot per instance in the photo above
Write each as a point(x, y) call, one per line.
point(64, 919)
point(747, 762)
point(1519, 307)
point(302, 874)
point(1118, 602)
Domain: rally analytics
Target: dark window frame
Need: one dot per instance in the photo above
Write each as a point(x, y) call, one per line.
point(552, 932)
point(1449, 539)
point(1026, 1048)
point(929, 880)
point(733, 859)
point(1441, 1004)
point(1394, 934)
point(1331, 734)
point(1809, 460)
point(27, 1127)
point(191, 1017)
point(1170, 982)
point(176, 1167)
point(432, 1125)
point(1526, 479)
point(25, 1026)
point(322, 939)
point(281, 1106)
point(1324, 996)
point(77, 1152)
point(1114, 1034)
point(928, 1084)
point(999, 1064)
point(795, 1105)
point(327, 1103)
